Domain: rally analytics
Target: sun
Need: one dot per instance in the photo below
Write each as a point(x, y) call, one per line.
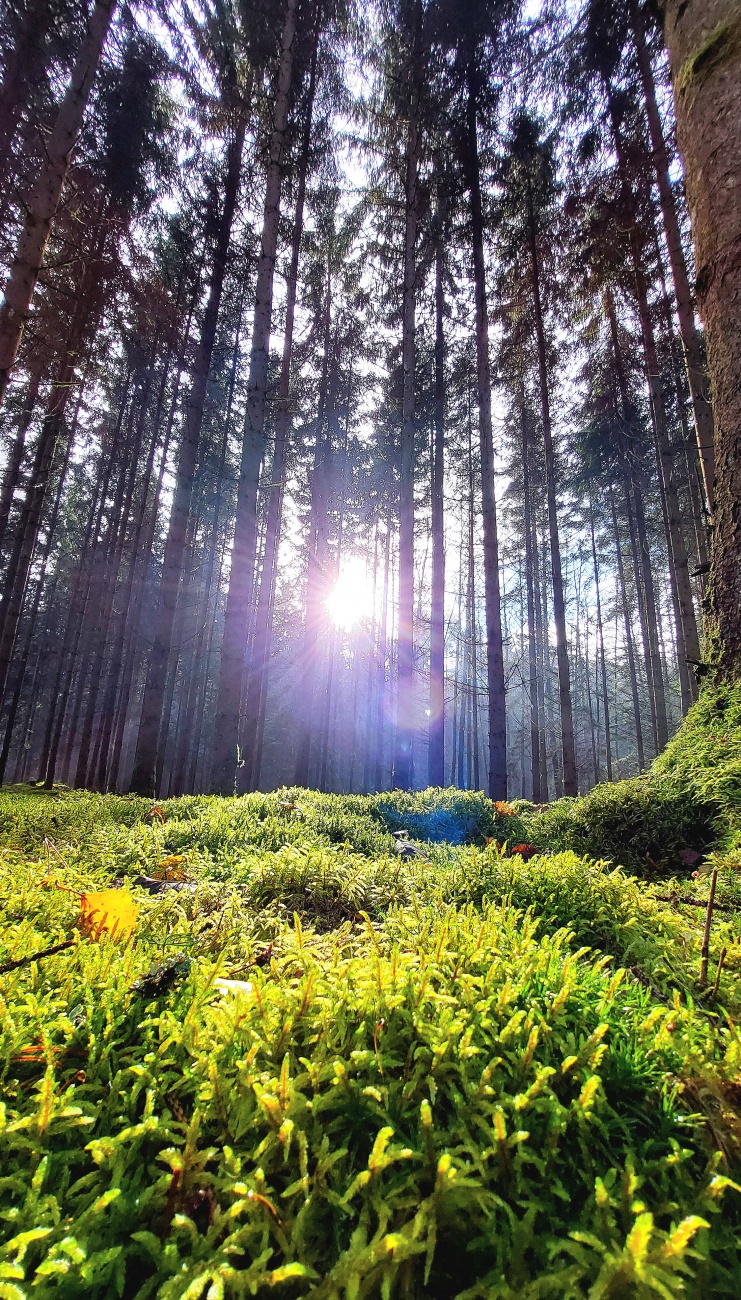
point(351, 598)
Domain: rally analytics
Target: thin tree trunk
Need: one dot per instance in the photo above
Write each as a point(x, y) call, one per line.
point(535, 768)
point(148, 760)
point(437, 603)
point(601, 647)
point(12, 472)
point(494, 647)
point(256, 689)
point(570, 782)
point(405, 639)
point(382, 641)
point(241, 576)
point(697, 377)
point(316, 548)
point(628, 637)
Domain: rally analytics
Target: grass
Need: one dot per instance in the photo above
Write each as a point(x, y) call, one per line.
point(319, 1070)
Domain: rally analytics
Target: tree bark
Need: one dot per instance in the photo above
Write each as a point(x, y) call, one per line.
point(704, 42)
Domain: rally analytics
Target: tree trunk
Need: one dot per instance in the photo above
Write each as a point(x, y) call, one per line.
point(12, 472)
point(693, 350)
point(689, 642)
point(147, 763)
point(535, 768)
point(570, 782)
point(704, 42)
point(494, 649)
point(241, 576)
point(316, 548)
point(437, 602)
point(43, 202)
point(628, 637)
point(256, 689)
point(601, 647)
point(405, 639)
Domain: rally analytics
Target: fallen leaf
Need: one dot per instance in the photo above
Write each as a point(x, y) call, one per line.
point(170, 868)
point(108, 911)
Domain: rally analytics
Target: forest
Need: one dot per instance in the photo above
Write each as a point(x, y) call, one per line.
point(370, 649)
point(356, 418)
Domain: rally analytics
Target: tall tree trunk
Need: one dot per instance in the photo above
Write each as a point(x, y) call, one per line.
point(241, 576)
point(31, 514)
point(12, 472)
point(494, 648)
point(405, 640)
point(704, 42)
point(697, 377)
point(689, 642)
point(316, 550)
point(382, 644)
point(256, 688)
point(147, 763)
point(437, 601)
point(601, 646)
point(570, 782)
point(623, 590)
point(541, 666)
point(43, 202)
point(21, 664)
point(535, 768)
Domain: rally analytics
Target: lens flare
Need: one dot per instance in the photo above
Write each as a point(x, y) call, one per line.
point(351, 598)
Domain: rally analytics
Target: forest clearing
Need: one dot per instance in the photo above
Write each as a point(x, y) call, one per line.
point(370, 649)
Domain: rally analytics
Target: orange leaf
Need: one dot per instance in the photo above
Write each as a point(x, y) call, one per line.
point(108, 911)
point(503, 808)
point(170, 868)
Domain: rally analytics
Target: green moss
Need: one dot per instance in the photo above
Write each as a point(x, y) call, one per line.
point(719, 45)
point(432, 1083)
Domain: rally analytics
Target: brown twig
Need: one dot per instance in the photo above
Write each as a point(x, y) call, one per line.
point(676, 901)
point(36, 956)
point(721, 959)
point(705, 950)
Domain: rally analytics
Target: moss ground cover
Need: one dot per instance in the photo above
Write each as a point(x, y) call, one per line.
point(317, 1069)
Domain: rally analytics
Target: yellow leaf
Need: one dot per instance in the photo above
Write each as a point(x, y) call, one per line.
point(170, 868)
point(108, 911)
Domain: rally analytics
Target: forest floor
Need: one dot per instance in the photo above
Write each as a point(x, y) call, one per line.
point(307, 1063)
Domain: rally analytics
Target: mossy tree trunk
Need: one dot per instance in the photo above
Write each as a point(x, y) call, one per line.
point(704, 42)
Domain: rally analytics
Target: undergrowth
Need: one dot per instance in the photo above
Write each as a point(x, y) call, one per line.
point(319, 1067)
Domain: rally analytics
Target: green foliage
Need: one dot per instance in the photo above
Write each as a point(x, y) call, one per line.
point(370, 1077)
point(705, 755)
point(644, 824)
point(450, 1103)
